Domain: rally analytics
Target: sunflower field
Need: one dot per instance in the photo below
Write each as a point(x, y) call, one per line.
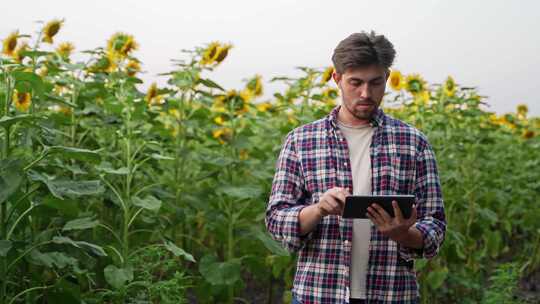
point(111, 193)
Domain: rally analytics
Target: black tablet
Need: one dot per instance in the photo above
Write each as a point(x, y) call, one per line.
point(356, 205)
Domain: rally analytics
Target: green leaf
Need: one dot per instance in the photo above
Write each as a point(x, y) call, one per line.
point(5, 246)
point(26, 82)
point(92, 248)
point(80, 224)
point(52, 259)
point(241, 192)
point(75, 153)
point(8, 121)
point(72, 189)
point(179, 252)
point(269, 243)
point(149, 203)
point(118, 277)
point(211, 84)
point(436, 277)
point(219, 273)
point(11, 177)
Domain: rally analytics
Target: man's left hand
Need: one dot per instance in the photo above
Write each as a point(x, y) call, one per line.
point(395, 227)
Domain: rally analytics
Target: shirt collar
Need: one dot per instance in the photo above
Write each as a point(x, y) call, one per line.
point(376, 120)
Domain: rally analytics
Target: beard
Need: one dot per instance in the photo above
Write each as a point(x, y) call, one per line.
point(361, 109)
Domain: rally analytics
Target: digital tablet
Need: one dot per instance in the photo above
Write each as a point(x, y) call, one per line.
point(356, 205)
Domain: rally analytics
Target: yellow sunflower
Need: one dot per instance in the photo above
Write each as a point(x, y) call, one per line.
point(121, 45)
point(527, 134)
point(152, 96)
point(10, 43)
point(133, 67)
point(415, 84)
point(22, 101)
point(255, 85)
point(18, 54)
point(222, 134)
point(327, 75)
point(450, 86)
point(65, 49)
point(222, 52)
point(51, 29)
point(522, 110)
point(264, 106)
point(209, 53)
point(396, 80)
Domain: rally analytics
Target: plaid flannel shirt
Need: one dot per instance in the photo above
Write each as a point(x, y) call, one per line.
point(315, 158)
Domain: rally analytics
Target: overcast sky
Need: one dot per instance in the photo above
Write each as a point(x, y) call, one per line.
point(492, 45)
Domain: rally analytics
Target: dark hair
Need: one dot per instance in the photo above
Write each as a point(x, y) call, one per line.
point(363, 49)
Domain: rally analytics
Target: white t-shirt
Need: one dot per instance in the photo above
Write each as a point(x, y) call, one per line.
point(359, 140)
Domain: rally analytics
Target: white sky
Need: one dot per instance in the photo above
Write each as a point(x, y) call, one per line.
point(493, 45)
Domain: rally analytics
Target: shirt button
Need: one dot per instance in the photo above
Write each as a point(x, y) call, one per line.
point(346, 242)
point(345, 164)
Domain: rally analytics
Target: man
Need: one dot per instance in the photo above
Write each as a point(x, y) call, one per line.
point(356, 149)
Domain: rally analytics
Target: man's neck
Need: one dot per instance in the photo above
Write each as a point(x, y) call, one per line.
point(346, 118)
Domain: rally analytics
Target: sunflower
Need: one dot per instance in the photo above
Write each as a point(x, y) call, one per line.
point(65, 49)
point(22, 100)
point(449, 86)
point(222, 134)
point(527, 134)
point(222, 52)
point(121, 45)
point(255, 85)
point(51, 29)
point(215, 53)
point(522, 110)
point(209, 53)
point(18, 54)
point(133, 67)
point(327, 75)
point(415, 84)
point(219, 120)
point(152, 96)
point(243, 155)
point(10, 43)
point(396, 80)
point(264, 106)
point(330, 94)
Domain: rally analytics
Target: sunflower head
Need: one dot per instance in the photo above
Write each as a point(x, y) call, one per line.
point(527, 134)
point(18, 55)
point(152, 95)
point(415, 84)
point(215, 53)
point(449, 86)
point(132, 67)
point(264, 106)
point(121, 45)
point(255, 85)
point(22, 100)
point(396, 80)
point(10, 43)
point(327, 74)
point(51, 29)
point(223, 134)
point(65, 49)
point(522, 110)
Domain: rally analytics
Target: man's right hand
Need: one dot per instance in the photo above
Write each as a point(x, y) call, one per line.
point(332, 201)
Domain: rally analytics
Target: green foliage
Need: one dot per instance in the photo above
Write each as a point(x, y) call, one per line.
point(110, 194)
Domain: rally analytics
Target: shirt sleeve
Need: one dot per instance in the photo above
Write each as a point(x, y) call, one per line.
point(429, 203)
point(287, 199)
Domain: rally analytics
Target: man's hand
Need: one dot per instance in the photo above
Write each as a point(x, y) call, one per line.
point(397, 228)
point(332, 201)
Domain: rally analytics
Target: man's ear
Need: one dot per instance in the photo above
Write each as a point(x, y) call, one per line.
point(337, 77)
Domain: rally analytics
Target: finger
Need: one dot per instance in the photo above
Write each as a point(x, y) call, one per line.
point(386, 217)
point(397, 211)
point(414, 213)
point(376, 216)
point(335, 207)
point(372, 219)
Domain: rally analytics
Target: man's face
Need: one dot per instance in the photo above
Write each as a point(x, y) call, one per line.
point(362, 90)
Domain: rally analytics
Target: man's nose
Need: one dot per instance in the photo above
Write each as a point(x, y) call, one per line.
point(365, 91)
